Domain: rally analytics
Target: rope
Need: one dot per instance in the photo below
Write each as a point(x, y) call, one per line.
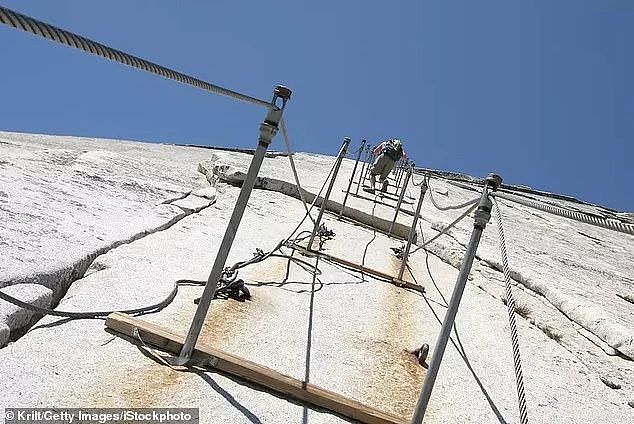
point(86, 315)
point(33, 26)
point(510, 304)
point(450, 207)
point(312, 205)
point(448, 227)
point(229, 286)
point(414, 181)
point(290, 158)
point(227, 283)
point(566, 213)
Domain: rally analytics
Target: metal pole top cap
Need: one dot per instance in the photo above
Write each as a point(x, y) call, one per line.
point(283, 92)
point(493, 180)
point(347, 139)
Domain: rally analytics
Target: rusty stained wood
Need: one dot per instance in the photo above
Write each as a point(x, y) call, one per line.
point(161, 338)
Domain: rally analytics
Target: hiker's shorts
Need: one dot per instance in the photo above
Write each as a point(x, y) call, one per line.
point(382, 166)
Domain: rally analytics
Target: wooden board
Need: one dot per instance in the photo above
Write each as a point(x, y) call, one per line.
point(361, 268)
point(161, 338)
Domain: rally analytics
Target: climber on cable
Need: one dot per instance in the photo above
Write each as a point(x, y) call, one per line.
point(387, 154)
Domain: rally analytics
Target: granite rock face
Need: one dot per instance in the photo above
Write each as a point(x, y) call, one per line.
point(93, 224)
point(68, 200)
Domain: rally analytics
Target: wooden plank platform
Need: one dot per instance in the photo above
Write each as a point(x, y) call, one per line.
point(161, 338)
point(361, 268)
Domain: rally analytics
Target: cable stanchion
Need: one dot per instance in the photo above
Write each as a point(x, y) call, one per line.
point(412, 231)
point(362, 175)
point(483, 214)
point(340, 156)
point(50, 32)
point(401, 171)
point(354, 170)
point(408, 175)
point(268, 130)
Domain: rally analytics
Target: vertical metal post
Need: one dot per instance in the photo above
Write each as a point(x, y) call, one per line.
point(403, 171)
point(404, 168)
point(268, 129)
point(482, 216)
point(394, 176)
point(354, 170)
point(340, 156)
point(412, 230)
point(394, 172)
point(408, 175)
point(362, 175)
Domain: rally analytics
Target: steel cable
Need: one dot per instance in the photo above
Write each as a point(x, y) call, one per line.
point(289, 152)
point(584, 217)
point(450, 207)
point(86, 315)
point(510, 305)
point(577, 216)
point(42, 29)
point(414, 181)
point(448, 227)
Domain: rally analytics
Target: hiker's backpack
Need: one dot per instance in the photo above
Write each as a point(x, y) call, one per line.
point(392, 151)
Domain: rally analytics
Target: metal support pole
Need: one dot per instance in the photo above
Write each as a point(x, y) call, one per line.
point(412, 230)
point(408, 175)
point(340, 156)
point(354, 170)
point(362, 175)
point(404, 169)
point(482, 216)
point(399, 174)
point(268, 129)
point(395, 172)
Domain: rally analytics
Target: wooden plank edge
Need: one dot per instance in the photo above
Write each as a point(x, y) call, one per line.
point(361, 268)
point(162, 338)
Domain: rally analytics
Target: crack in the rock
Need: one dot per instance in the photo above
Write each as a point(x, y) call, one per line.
point(66, 277)
point(174, 199)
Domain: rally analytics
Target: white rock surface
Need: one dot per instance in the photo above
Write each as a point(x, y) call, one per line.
point(567, 279)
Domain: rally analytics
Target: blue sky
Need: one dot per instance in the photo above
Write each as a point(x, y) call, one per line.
point(538, 91)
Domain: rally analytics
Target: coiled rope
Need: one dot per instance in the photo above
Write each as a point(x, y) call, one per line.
point(33, 26)
point(510, 306)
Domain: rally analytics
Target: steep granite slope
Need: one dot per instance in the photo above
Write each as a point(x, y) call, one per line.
point(104, 224)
